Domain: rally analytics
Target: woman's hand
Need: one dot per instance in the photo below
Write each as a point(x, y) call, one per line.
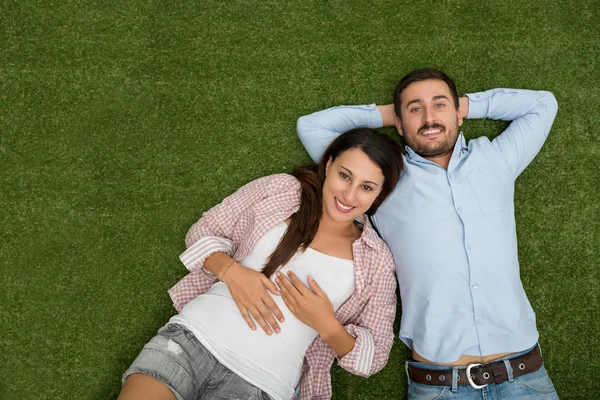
point(248, 289)
point(309, 305)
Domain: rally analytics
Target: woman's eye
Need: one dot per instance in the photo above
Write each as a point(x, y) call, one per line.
point(368, 188)
point(343, 175)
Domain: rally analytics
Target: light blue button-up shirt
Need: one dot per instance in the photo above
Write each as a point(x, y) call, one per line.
point(452, 232)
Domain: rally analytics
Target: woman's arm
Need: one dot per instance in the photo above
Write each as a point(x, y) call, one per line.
point(213, 240)
point(215, 230)
point(374, 327)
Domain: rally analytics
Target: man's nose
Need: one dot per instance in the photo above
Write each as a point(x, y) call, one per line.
point(428, 116)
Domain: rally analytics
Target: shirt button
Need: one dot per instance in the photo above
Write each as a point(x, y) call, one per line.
point(459, 208)
point(468, 246)
point(479, 321)
point(357, 273)
point(450, 176)
point(475, 286)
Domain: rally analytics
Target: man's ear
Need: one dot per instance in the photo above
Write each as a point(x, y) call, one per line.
point(459, 117)
point(399, 126)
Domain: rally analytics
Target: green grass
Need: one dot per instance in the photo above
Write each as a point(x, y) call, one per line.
point(121, 122)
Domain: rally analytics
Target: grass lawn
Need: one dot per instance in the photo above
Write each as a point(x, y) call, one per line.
point(121, 122)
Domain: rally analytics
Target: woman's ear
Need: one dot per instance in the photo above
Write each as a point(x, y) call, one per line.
point(328, 165)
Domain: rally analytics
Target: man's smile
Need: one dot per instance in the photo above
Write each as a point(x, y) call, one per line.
point(433, 129)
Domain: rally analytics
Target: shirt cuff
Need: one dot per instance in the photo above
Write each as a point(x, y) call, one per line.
point(360, 359)
point(478, 105)
point(371, 118)
point(375, 119)
point(195, 255)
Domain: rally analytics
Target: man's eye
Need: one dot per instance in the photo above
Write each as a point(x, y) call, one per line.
point(416, 109)
point(440, 105)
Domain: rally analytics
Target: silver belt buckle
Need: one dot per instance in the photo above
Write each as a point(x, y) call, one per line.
point(473, 385)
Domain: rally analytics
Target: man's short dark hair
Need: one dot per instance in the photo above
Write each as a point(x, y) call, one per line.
point(423, 74)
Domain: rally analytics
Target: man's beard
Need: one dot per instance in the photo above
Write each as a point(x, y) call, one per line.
point(438, 148)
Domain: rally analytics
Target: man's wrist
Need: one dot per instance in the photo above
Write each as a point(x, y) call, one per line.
point(463, 106)
point(388, 114)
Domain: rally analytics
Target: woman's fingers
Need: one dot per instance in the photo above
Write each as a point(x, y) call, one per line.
point(314, 286)
point(250, 291)
point(271, 287)
point(266, 313)
point(288, 291)
point(287, 303)
point(247, 317)
point(259, 319)
point(301, 287)
point(286, 285)
point(262, 316)
point(274, 308)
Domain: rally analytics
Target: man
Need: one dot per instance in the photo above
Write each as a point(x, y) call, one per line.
point(450, 225)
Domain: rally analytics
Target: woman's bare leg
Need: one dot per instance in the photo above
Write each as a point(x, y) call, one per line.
point(142, 387)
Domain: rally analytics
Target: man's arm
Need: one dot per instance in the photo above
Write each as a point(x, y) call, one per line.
point(388, 114)
point(319, 129)
point(532, 114)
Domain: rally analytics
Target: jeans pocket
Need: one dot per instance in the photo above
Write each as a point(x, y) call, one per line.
point(170, 331)
point(418, 391)
point(263, 395)
point(538, 381)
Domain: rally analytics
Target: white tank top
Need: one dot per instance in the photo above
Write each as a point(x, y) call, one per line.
point(272, 363)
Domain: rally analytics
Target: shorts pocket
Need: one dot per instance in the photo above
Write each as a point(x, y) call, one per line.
point(171, 331)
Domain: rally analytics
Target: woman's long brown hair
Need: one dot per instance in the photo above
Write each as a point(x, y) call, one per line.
point(380, 148)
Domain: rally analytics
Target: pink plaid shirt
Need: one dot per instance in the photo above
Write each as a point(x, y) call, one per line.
point(236, 225)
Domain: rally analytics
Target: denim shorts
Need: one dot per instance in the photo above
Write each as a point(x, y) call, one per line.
point(533, 386)
point(177, 359)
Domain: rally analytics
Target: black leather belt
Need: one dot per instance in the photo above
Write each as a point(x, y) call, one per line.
point(479, 375)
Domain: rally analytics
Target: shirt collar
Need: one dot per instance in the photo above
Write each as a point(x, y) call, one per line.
point(368, 235)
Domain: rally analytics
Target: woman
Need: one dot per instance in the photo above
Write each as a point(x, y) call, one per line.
point(335, 292)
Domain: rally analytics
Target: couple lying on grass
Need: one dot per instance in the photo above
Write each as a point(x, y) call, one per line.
point(297, 255)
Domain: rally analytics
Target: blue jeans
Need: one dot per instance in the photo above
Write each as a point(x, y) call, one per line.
point(533, 386)
point(177, 359)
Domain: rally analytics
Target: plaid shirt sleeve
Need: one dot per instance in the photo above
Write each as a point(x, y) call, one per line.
point(374, 329)
point(215, 230)
point(225, 228)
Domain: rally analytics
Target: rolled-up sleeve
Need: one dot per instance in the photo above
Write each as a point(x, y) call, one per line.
point(195, 255)
point(374, 331)
point(214, 231)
